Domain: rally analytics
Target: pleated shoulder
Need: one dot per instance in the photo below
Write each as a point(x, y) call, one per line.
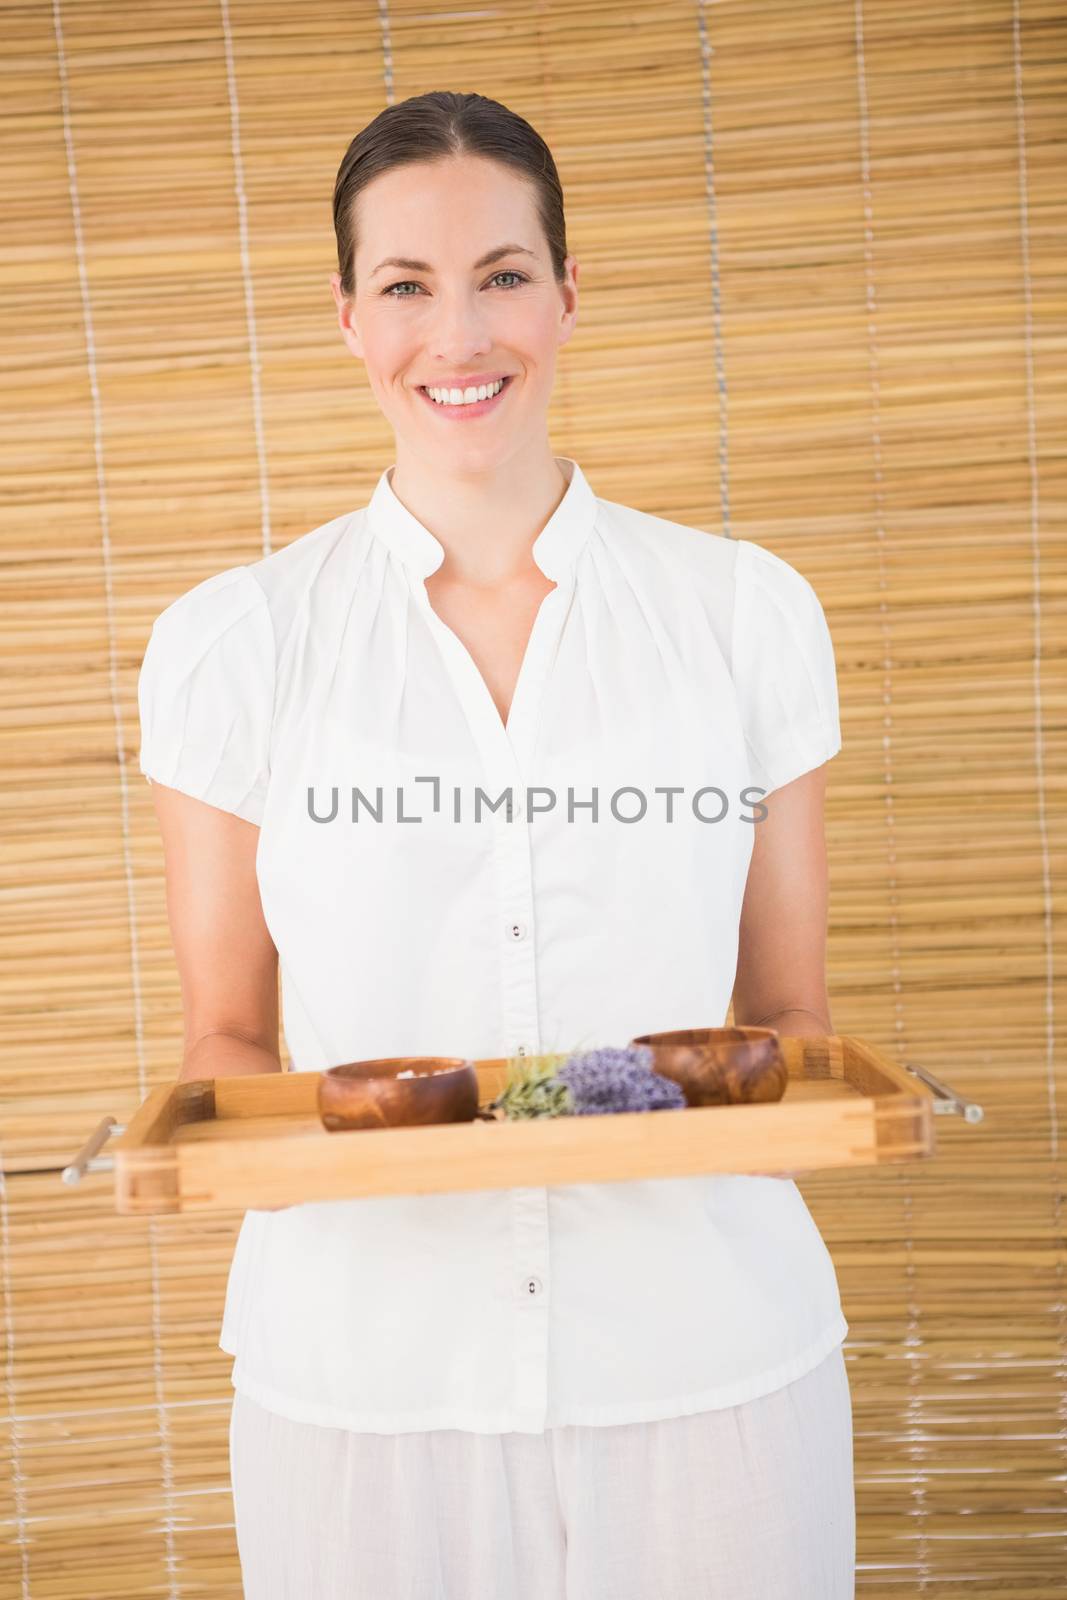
point(205, 694)
point(784, 669)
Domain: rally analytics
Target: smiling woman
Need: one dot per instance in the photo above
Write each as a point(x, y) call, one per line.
point(582, 1390)
point(454, 275)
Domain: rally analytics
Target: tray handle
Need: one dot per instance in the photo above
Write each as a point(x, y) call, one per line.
point(88, 1159)
point(946, 1100)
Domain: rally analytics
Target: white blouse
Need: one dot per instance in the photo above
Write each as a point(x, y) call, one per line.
point(478, 906)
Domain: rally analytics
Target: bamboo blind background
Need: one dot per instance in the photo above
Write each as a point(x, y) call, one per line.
point(823, 296)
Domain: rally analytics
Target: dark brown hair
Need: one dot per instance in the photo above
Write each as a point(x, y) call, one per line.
point(432, 127)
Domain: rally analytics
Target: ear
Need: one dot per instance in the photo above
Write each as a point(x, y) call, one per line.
point(568, 294)
point(345, 314)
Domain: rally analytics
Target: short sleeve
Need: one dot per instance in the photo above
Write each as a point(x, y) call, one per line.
point(784, 669)
point(206, 694)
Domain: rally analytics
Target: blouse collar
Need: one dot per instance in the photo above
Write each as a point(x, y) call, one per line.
point(555, 549)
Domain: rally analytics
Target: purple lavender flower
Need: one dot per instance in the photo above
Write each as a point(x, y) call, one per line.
point(612, 1079)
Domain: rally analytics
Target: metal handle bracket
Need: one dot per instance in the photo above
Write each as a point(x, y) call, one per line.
point(88, 1159)
point(946, 1101)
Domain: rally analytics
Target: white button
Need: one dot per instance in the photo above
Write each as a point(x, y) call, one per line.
point(532, 1285)
point(516, 930)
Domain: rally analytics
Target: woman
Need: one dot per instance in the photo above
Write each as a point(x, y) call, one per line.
point(624, 1390)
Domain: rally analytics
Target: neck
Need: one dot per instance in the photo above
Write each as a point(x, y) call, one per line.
point(486, 522)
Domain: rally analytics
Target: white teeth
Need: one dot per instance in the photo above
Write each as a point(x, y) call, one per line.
point(465, 397)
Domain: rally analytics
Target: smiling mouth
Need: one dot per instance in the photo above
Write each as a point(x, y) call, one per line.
point(471, 408)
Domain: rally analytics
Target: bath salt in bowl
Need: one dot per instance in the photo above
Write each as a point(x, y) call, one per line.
point(397, 1092)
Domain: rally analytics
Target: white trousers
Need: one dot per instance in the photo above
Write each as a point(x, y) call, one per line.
point(751, 1502)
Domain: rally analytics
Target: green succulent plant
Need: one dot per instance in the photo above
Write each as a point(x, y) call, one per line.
point(532, 1088)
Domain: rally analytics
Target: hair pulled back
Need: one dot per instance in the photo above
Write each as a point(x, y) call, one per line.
point(433, 127)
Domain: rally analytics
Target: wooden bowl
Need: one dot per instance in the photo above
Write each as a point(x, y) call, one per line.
point(371, 1094)
point(720, 1066)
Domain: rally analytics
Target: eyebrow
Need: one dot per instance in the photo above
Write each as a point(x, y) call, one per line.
point(409, 265)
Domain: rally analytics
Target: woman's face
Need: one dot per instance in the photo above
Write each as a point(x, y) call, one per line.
point(449, 317)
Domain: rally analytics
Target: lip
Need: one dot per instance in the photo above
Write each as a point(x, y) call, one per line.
point(472, 381)
point(478, 408)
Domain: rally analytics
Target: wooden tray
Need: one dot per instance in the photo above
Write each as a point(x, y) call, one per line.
point(216, 1144)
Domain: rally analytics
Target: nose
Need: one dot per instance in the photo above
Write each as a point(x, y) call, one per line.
point(460, 330)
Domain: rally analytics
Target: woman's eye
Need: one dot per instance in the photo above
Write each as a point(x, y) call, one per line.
point(408, 283)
